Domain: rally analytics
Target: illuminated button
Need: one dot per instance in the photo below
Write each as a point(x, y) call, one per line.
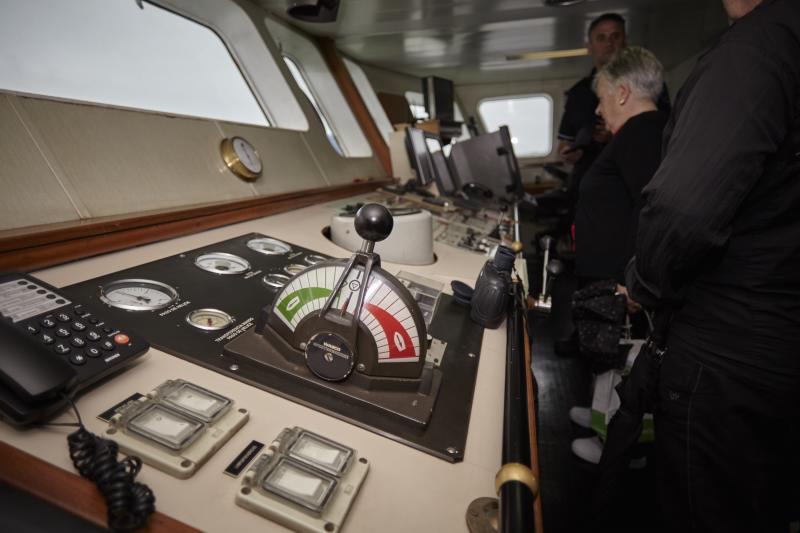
point(121, 338)
point(63, 317)
point(48, 323)
point(93, 352)
point(62, 348)
point(77, 359)
point(107, 345)
point(33, 330)
point(78, 326)
point(93, 335)
point(47, 339)
point(62, 332)
point(77, 342)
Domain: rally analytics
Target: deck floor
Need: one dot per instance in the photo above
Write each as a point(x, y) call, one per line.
point(567, 482)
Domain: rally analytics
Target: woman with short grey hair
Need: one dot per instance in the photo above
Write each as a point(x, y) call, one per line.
point(610, 193)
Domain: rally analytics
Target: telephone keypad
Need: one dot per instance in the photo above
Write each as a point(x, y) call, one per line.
point(63, 332)
point(78, 326)
point(93, 335)
point(62, 348)
point(47, 339)
point(77, 359)
point(63, 317)
point(93, 352)
point(48, 323)
point(77, 342)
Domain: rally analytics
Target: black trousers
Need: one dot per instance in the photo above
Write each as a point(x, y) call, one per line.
point(727, 445)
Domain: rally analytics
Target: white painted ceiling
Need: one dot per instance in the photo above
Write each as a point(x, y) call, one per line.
point(468, 40)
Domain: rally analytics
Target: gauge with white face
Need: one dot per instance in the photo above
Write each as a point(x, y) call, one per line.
point(313, 259)
point(294, 269)
point(268, 246)
point(209, 319)
point(138, 294)
point(247, 155)
point(276, 280)
point(222, 263)
point(241, 158)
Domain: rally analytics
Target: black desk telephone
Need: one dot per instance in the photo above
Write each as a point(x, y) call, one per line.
point(52, 347)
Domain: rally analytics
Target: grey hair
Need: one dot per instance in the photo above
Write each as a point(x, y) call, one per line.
point(637, 67)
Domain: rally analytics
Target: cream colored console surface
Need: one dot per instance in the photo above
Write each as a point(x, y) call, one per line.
point(405, 490)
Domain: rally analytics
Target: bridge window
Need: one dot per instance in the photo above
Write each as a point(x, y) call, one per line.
point(529, 119)
point(370, 98)
point(115, 53)
point(297, 74)
point(342, 129)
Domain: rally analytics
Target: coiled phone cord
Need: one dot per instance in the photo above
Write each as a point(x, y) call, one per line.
point(129, 502)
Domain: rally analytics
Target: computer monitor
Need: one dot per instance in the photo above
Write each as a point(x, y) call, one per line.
point(445, 181)
point(420, 157)
point(489, 160)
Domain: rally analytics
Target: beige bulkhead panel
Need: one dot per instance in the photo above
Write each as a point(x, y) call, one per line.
point(287, 163)
point(120, 161)
point(32, 194)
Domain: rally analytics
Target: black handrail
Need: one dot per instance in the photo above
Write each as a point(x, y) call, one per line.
point(516, 497)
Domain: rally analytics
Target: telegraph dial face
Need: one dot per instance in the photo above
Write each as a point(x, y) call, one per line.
point(389, 317)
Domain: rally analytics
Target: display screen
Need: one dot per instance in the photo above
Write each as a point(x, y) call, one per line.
point(419, 156)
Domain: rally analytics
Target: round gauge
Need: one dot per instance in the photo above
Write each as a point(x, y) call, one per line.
point(268, 246)
point(313, 259)
point(294, 268)
point(209, 319)
point(276, 280)
point(241, 158)
point(222, 263)
point(138, 294)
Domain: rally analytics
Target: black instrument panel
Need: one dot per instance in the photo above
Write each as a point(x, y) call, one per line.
point(193, 304)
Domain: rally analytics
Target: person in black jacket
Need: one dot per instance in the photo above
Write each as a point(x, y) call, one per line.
point(581, 133)
point(719, 243)
point(610, 195)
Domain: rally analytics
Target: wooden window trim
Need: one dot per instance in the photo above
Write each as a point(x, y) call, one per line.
point(36, 247)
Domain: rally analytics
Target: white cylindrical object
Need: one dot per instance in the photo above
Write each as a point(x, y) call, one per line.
point(410, 243)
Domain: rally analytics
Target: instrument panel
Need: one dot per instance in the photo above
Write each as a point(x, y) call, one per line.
point(194, 304)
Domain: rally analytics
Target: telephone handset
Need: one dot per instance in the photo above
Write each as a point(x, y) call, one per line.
point(52, 347)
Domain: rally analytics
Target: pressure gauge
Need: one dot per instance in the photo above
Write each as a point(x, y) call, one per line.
point(209, 319)
point(241, 158)
point(276, 280)
point(293, 268)
point(222, 263)
point(138, 294)
point(313, 259)
point(268, 246)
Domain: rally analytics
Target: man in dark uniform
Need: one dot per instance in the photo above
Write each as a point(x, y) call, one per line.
point(582, 135)
point(719, 243)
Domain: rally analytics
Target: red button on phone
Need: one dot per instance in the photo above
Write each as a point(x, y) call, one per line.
point(121, 338)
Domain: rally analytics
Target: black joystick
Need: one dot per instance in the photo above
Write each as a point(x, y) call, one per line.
point(373, 223)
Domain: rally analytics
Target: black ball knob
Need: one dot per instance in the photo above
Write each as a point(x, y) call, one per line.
point(374, 222)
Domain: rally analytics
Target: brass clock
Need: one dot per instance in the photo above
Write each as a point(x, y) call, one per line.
point(241, 158)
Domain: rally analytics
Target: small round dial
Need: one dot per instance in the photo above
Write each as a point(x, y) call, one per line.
point(222, 263)
point(209, 319)
point(138, 294)
point(294, 268)
point(276, 280)
point(329, 356)
point(268, 246)
point(313, 259)
point(241, 158)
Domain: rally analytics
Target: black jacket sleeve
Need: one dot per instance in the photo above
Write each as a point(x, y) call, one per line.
point(735, 115)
